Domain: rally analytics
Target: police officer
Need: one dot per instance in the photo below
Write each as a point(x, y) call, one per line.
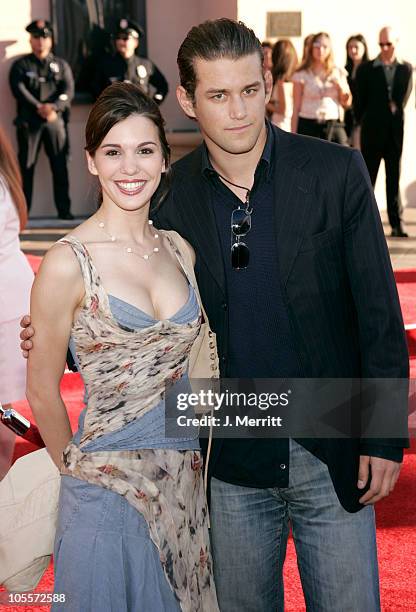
point(43, 86)
point(126, 66)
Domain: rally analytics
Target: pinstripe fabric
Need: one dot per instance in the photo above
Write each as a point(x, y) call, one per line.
point(336, 274)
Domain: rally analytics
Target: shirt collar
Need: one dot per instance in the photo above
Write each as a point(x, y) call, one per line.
point(377, 62)
point(48, 58)
point(265, 162)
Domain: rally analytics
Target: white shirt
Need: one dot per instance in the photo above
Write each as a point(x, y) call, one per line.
point(320, 93)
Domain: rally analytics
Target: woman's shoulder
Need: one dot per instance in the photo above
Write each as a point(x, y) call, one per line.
point(300, 74)
point(60, 263)
point(181, 244)
point(5, 196)
point(339, 71)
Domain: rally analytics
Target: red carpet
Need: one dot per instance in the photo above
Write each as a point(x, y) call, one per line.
point(396, 515)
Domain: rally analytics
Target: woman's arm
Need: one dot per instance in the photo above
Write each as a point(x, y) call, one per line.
point(57, 292)
point(344, 93)
point(297, 103)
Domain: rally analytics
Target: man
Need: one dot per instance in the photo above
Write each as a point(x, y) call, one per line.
point(307, 291)
point(125, 65)
point(43, 87)
point(383, 88)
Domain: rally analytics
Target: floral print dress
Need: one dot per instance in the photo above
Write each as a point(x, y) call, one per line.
point(125, 372)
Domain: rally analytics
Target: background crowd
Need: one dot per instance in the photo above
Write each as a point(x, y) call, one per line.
point(360, 105)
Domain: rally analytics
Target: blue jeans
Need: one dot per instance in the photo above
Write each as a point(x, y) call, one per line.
point(336, 550)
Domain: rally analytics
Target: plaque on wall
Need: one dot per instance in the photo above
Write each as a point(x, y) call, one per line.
point(283, 23)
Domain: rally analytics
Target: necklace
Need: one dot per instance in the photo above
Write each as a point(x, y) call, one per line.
point(129, 250)
point(246, 189)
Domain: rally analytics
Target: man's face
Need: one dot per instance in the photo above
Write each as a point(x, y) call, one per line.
point(387, 44)
point(126, 45)
point(40, 46)
point(229, 103)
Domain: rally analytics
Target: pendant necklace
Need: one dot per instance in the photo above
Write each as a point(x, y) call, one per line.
point(246, 189)
point(129, 250)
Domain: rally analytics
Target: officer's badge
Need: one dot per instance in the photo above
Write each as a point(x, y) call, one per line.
point(141, 71)
point(54, 67)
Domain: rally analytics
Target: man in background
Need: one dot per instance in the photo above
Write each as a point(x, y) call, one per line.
point(43, 86)
point(126, 65)
point(383, 88)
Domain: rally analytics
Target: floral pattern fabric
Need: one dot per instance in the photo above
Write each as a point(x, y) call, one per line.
point(125, 373)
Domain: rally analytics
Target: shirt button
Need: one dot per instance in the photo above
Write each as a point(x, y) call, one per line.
point(282, 466)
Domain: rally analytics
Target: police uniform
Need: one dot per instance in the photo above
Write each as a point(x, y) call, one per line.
point(138, 70)
point(33, 82)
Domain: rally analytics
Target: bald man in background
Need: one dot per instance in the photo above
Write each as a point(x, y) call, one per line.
point(383, 88)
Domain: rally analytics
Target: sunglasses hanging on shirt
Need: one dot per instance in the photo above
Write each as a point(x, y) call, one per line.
point(240, 227)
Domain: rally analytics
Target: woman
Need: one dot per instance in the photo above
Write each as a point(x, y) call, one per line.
point(357, 53)
point(320, 92)
point(16, 279)
point(285, 61)
point(132, 531)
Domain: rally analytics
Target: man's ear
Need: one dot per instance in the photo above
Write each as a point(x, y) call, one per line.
point(268, 84)
point(185, 102)
point(91, 164)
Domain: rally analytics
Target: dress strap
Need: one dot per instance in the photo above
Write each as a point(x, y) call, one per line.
point(185, 259)
point(92, 282)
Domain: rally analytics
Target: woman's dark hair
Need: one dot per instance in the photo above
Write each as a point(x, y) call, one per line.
point(349, 65)
point(285, 60)
point(116, 103)
point(10, 173)
point(213, 40)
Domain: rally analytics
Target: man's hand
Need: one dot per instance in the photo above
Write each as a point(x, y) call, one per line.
point(25, 335)
point(384, 475)
point(47, 111)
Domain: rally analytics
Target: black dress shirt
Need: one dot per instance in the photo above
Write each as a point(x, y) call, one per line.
point(260, 339)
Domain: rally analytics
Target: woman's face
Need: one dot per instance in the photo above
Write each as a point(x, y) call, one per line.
point(321, 49)
point(355, 50)
point(129, 163)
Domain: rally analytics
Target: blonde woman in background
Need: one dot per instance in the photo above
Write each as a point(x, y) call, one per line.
point(320, 93)
point(285, 61)
point(16, 279)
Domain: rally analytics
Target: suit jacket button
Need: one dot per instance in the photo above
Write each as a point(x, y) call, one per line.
point(224, 305)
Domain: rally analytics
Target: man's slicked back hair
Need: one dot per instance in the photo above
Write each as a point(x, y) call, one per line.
point(211, 40)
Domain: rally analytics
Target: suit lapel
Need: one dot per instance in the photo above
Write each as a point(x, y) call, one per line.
point(292, 194)
point(198, 218)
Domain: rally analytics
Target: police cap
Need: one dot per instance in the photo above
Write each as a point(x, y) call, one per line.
point(40, 28)
point(126, 27)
